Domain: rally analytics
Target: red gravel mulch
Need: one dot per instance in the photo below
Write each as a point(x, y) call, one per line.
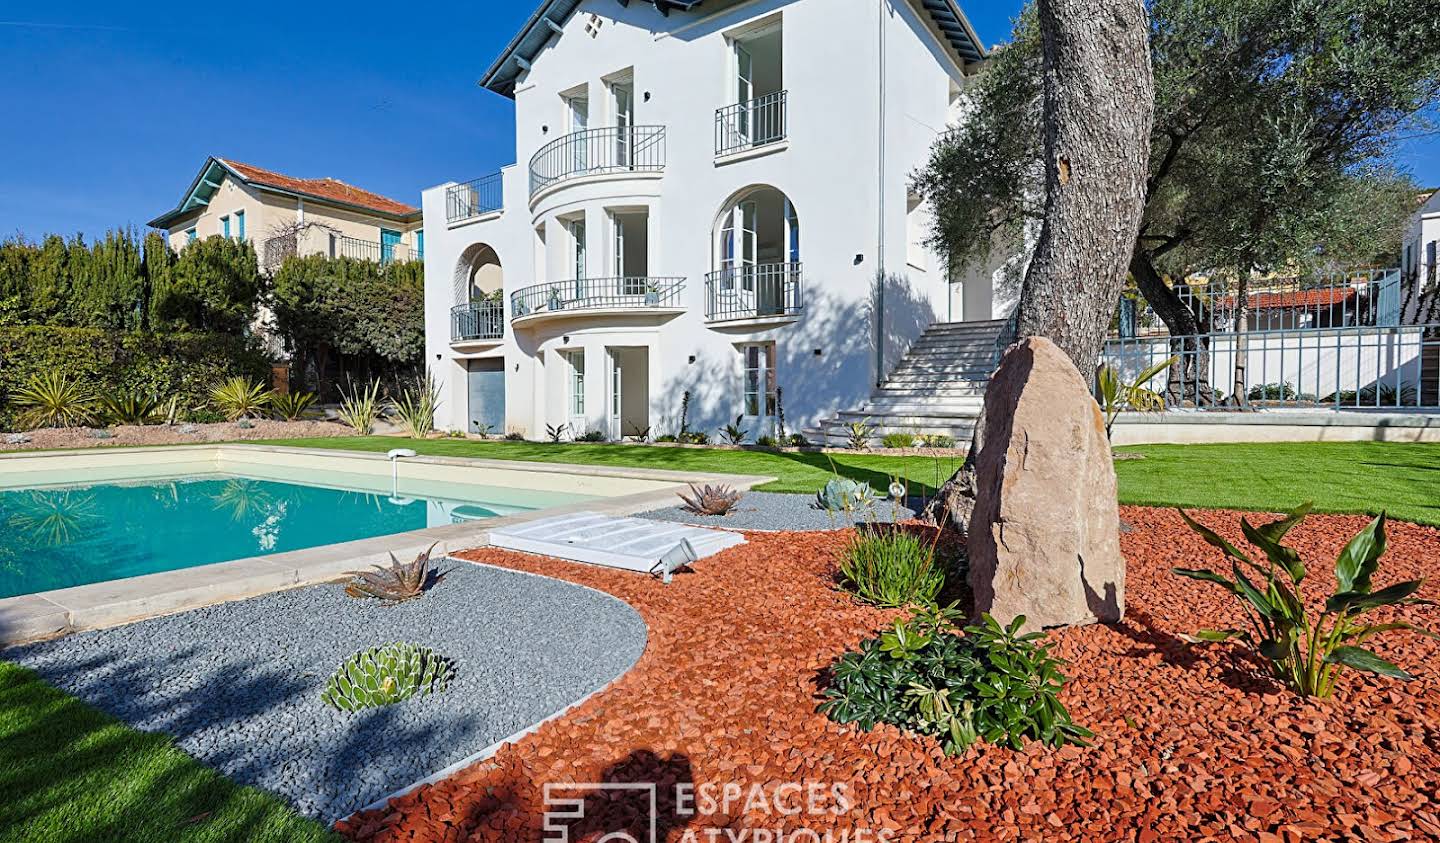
point(1191, 743)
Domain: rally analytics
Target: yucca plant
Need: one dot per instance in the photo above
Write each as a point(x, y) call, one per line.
point(131, 408)
point(1116, 395)
point(291, 406)
point(416, 406)
point(360, 409)
point(240, 398)
point(54, 399)
point(1306, 649)
point(386, 675)
point(398, 583)
point(858, 435)
point(710, 500)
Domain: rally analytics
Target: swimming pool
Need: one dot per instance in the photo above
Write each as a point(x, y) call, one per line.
point(59, 537)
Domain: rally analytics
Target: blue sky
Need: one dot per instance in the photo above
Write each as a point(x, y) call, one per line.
point(111, 108)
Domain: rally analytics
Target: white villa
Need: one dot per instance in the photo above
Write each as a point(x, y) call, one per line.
point(712, 197)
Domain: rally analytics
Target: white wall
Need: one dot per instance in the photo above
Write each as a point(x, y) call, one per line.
point(829, 168)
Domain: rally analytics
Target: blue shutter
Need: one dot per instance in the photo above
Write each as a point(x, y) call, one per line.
point(190, 236)
point(388, 241)
point(240, 223)
point(420, 245)
point(225, 227)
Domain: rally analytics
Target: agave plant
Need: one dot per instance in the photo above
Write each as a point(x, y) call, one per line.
point(734, 434)
point(291, 406)
point(54, 399)
point(131, 408)
point(843, 495)
point(360, 409)
point(386, 675)
point(710, 500)
point(415, 409)
point(240, 398)
point(1306, 650)
point(397, 583)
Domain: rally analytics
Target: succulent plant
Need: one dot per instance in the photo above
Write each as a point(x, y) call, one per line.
point(385, 675)
point(710, 500)
point(842, 494)
point(400, 582)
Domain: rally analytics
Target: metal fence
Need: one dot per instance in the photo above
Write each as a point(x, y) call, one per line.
point(615, 149)
point(478, 320)
point(1368, 298)
point(368, 250)
point(1343, 368)
point(638, 293)
point(751, 292)
point(474, 198)
point(750, 124)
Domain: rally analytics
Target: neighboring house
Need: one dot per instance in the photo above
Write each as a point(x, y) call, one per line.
point(1422, 238)
point(709, 191)
point(283, 216)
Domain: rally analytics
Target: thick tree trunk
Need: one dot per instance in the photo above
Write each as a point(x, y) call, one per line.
point(1189, 377)
point(1099, 94)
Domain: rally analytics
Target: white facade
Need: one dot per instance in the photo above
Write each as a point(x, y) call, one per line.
point(660, 242)
point(1418, 258)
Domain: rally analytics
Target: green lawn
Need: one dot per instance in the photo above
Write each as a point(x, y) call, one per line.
point(71, 774)
point(1347, 477)
point(1359, 477)
point(796, 472)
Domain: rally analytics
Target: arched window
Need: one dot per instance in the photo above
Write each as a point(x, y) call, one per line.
point(479, 276)
point(757, 256)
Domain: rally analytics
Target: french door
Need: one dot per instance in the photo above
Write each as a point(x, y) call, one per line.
point(624, 125)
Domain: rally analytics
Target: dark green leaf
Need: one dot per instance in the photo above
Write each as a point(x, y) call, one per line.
point(1214, 538)
point(1207, 576)
point(1278, 553)
point(1363, 602)
point(1362, 659)
point(1216, 634)
point(1275, 530)
point(1358, 561)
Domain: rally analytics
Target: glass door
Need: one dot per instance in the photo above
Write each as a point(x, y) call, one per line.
point(744, 92)
point(758, 400)
point(624, 125)
point(578, 109)
point(617, 386)
point(576, 399)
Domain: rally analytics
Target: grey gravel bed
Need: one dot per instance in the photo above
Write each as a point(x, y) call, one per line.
point(238, 685)
point(776, 511)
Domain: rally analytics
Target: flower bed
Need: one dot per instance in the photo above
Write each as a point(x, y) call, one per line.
point(1191, 743)
point(160, 434)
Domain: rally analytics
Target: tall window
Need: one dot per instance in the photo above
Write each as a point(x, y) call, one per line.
point(240, 225)
point(577, 383)
point(759, 379)
point(1430, 262)
point(190, 236)
point(577, 249)
point(225, 227)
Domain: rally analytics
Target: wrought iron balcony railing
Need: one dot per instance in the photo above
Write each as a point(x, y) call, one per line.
point(478, 320)
point(747, 125)
point(754, 292)
point(368, 250)
point(557, 297)
point(474, 198)
point(616, 149)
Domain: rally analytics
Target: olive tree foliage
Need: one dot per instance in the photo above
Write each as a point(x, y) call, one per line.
point(346, 319)
point(1275, 125)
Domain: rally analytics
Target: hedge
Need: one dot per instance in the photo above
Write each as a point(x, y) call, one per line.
point(164, 365)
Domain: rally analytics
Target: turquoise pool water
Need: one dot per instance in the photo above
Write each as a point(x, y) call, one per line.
point(77, 534)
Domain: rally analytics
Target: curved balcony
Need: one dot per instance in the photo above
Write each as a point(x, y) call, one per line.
point(477, 322)
point(615, 150)
point(591, 296)
point(770, 292)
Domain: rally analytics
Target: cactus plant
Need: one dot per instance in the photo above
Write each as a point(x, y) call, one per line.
point(385, 675)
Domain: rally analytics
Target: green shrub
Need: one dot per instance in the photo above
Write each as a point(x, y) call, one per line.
point(239, 398)
point(858, 435)
point(1273, 392)
point(937, 440)
point(991, 683)
point(766, 442)
point(898, 440)
point(798, 440)
point(386, 675)
point(891, 567)
point(54, 399)
point(696, 437)
point(668, 438)
point(593, 436)
point(514, 436)
point(734, 434)
point(291, 406)
point(1306, 650)
point(182, 367)
point(130, 408)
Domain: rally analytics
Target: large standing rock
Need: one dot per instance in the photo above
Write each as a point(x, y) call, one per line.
point(1044, 533)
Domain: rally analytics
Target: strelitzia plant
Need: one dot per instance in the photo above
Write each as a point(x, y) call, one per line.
point(1306, 649)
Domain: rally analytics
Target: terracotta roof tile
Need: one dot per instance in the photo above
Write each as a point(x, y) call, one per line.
point(332, 189)
point(1319, 297)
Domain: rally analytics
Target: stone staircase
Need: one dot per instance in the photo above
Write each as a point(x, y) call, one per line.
point(938, 387)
